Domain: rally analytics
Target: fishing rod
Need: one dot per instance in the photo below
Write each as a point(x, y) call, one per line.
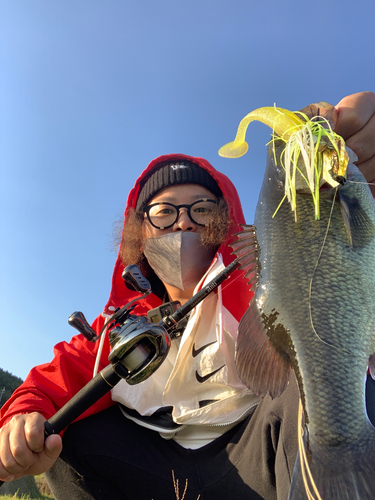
point(139, 346)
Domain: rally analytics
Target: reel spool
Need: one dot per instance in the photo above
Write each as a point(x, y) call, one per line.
point(139, 346)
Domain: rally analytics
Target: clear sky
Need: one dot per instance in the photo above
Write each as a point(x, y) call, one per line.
point(92, 90)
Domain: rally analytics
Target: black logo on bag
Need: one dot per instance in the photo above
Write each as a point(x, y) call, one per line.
point(206, 377)
point(196, 352)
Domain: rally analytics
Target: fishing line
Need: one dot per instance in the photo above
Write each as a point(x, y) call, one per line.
point(312, 278)
point(305, 467)
point(223, 287)
point(315, 268)
point(358, 182)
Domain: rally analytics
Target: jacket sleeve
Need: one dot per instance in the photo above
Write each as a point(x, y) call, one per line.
point(49, 386)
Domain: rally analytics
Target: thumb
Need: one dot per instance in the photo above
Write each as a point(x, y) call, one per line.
point(324, 109)
point(53, 446)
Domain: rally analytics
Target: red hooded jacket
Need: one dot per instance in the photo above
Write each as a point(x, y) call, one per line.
point(49, 386)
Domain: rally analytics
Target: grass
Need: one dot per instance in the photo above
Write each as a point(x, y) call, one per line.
point(43, 488)
point(24, 497)
point(37, 491)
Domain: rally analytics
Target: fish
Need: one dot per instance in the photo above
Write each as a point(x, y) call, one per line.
point(312, 313)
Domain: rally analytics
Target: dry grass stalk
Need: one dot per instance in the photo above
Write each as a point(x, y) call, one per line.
point(177, 489)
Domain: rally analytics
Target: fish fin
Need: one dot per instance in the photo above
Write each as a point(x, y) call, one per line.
point(371, 365)
point(359, 227)
point(337, 473)
point(247, 250)
point(260, 366)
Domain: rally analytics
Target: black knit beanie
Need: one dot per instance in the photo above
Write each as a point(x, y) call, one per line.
point(170, 173)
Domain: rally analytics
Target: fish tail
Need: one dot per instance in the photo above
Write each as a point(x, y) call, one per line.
point(335, 474)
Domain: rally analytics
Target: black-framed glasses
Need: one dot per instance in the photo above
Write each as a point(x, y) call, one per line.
point(163, 215)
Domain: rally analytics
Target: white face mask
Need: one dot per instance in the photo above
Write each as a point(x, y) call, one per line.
point(179, 259)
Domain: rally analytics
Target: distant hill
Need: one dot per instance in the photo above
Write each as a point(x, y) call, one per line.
point(8, 382)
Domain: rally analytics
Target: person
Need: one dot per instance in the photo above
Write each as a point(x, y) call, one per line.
point(192, 423)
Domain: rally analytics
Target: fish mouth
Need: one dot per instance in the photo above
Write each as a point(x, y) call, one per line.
point(326, 192)
point(325, 187)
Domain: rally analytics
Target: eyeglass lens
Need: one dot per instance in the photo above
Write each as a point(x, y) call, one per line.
point(163, 215)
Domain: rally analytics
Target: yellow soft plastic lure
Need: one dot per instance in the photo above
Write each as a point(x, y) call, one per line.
point(282, 121)
point(311, 143)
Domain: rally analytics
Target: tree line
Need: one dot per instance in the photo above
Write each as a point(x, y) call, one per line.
point(8, 384)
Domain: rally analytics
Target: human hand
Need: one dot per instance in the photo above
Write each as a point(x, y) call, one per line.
point(23, 450)
point(355, 122)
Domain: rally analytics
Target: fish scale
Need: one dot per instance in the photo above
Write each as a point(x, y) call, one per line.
point(330, 358)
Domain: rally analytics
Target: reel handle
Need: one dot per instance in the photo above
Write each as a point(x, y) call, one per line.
point(78, 321)
point(133, 276)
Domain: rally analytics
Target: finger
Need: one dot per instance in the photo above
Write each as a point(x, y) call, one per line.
point(321, 108)
point(45, 459)
point(363, 143)
point(48, 456)
point(328, 111)
point(19, 457)
point(354, 111)
point(34, 432)
point(8, 463)
point(368, 169)
point(5, 474)
point(6, 478)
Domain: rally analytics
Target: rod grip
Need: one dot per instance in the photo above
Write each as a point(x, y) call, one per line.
point(86, 397)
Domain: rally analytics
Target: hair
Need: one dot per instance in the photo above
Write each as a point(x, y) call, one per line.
point(131, 252)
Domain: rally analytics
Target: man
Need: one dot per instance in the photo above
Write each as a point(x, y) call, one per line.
point(193, 418)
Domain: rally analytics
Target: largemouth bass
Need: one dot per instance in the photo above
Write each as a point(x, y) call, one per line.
point(313, 312)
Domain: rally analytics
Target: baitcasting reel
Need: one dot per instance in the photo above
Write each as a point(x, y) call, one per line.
point(139, 345)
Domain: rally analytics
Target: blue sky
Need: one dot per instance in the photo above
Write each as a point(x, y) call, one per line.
point(91, 91)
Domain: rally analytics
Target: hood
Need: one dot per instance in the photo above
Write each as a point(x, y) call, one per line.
point(236, 295)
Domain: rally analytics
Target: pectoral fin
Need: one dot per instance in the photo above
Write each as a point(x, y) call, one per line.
point(261, 367)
